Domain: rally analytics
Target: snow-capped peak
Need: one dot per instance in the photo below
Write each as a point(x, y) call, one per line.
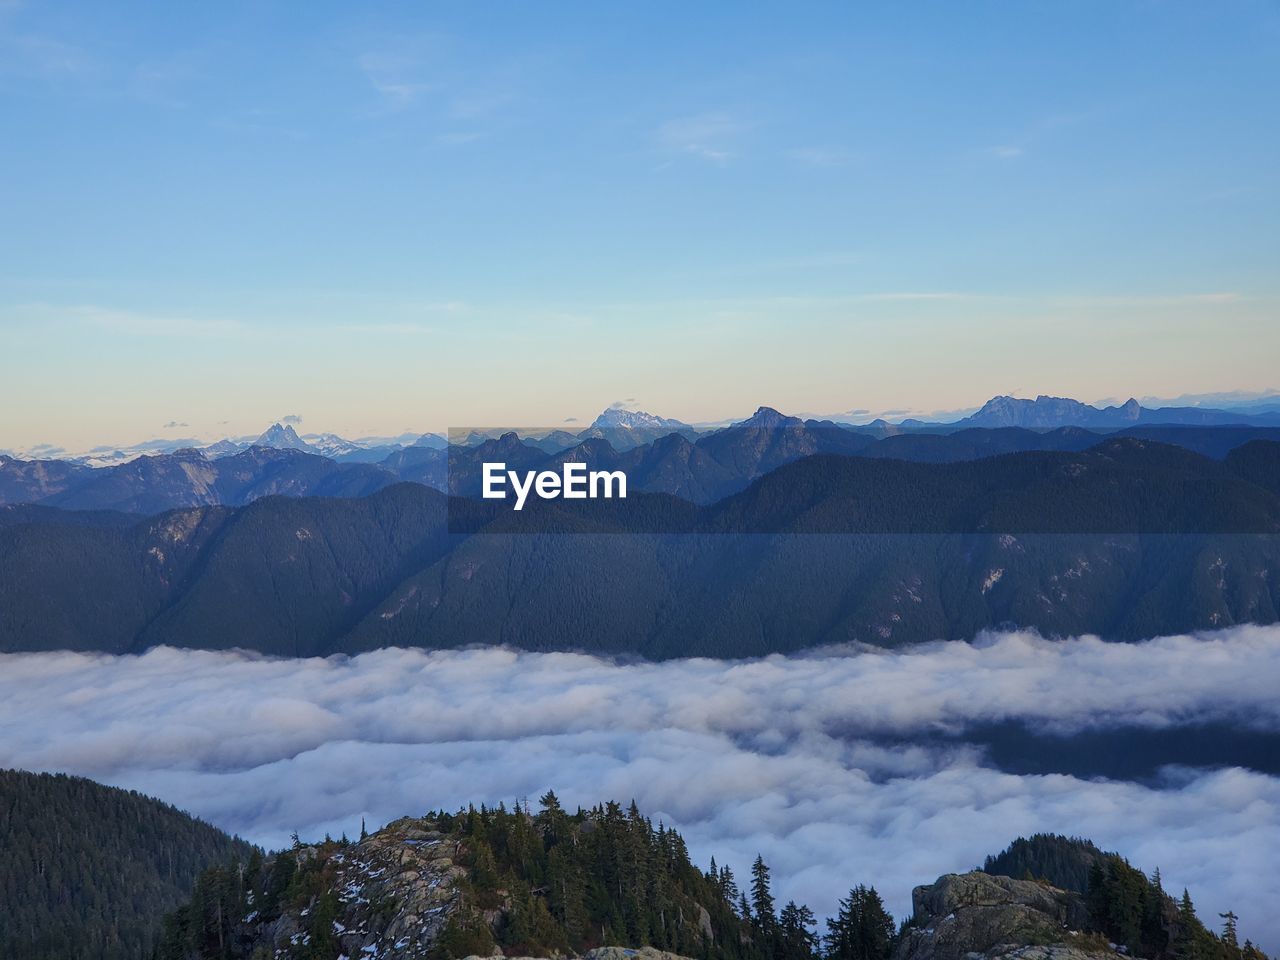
point(618, 418)
point(330, 444)
point(281, 437)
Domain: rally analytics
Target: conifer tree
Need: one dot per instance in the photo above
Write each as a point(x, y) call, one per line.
point(797, 940)
point(728, 884)
point(762, 908)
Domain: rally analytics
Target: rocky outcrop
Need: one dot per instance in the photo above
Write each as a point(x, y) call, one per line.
point(604, 953)
point(972, 915)
point(395, 892)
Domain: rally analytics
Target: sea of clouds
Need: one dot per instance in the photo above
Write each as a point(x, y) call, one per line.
point(791, 757)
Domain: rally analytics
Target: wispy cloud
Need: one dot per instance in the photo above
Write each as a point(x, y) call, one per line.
point(176, 325)
point(406, 328)
point(1159, 299)
point(822, 156)
point(37, 57)
point(1006, 151)
point(707, 136)
point(164, 81)
point(918, 295)
point(133, 323)
point(459, 137)
point(396, 75)
point(465, 94)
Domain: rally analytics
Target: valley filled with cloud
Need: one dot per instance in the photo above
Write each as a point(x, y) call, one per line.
point(841, 766)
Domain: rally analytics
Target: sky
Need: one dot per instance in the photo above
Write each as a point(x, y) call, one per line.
point(418, 216)
point(784, 756)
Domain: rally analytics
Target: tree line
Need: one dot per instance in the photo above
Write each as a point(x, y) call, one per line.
point(550, 882)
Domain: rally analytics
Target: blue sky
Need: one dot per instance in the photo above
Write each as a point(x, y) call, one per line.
point(421, 215)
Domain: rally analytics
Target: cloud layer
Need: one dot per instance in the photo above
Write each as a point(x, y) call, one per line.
point(785, 756)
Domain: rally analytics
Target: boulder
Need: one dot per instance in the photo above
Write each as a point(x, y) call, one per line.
point(973, 915)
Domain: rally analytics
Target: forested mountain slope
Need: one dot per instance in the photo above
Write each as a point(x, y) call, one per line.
point(89, 871)
point(1128, 539)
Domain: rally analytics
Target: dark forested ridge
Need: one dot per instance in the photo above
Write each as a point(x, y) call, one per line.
point(1125, 905)
point(1129, 539)
point(1065, 862)
point(89, 871)
point(549, 882)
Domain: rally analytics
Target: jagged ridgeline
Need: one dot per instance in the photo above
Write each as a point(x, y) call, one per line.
point(486, 881)
point(89, 871)
point(449, 885)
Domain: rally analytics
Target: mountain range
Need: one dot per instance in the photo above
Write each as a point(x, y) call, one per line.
point(625, 428)
point(1128, 539)
point(1051, 412)
point(700, 468)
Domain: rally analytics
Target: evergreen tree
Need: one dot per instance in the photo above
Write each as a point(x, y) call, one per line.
point(1229, 929)
point(875, 929)
point(762, 908)
point(1190, 942)
point(728, 884)
point(862, 928)
point(797, 941)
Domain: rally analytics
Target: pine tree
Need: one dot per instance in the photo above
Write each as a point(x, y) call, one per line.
point(1229, 939)
point(551, 819)
point(762, 908)
point(875, 931)
point(566, 893)
point(862, 928)
point(1188, 944)
point(797, 940)
point(728, 884)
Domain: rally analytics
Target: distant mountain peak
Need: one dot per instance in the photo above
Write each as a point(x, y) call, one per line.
point(619, 418)
point(226, 447)
point(769, 419)
point(625, 429)
point(281, 436)
point(1043, 411)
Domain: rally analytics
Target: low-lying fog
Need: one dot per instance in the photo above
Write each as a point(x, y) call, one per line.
point(840, 767)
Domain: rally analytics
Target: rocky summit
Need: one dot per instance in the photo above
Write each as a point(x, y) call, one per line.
point(606, 883)
point(479, 883)
point(603, 953)
point(965, 916)
point(392, 894)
